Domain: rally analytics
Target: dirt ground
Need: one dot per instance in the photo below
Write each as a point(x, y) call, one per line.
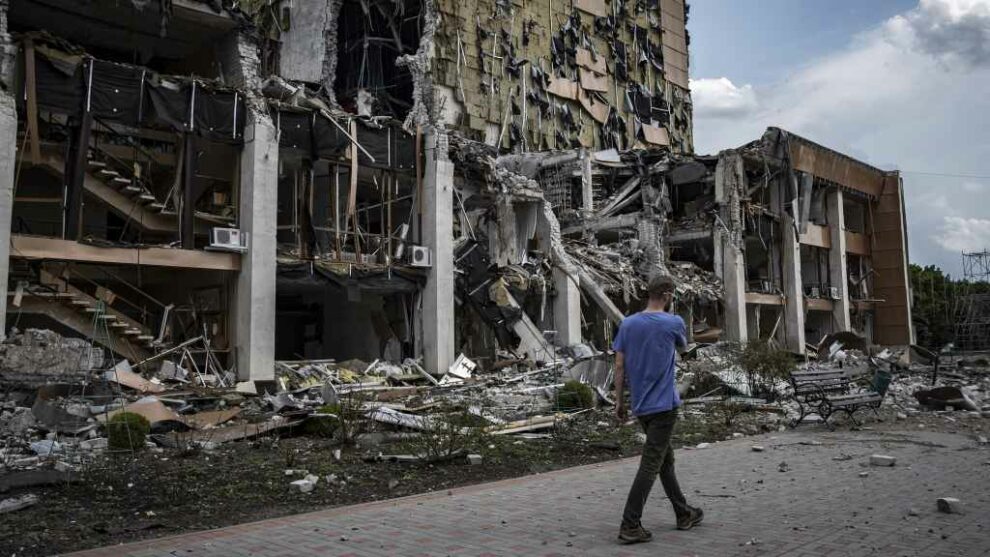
point(162, 492)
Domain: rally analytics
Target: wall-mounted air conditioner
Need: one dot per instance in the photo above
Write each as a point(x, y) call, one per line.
point(228, 239)
point(420, 256)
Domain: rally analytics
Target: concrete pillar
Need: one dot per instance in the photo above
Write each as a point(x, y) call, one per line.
point(790, 253)
point(437, 316)
point(567, 308)
point(8, 154)
point(733, 266)
point(731, 263)
point(587, 188)
point(753, 313)
point(838, 270)
point(254, 312)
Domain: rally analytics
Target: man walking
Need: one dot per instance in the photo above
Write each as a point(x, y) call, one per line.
point(644, 357)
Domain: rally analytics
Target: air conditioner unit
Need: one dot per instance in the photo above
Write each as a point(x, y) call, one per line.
point(228, 239)
point(833, 292)
point(813, 292)
point(420, 256)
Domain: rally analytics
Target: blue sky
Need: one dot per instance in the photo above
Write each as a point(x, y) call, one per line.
point(897, 83)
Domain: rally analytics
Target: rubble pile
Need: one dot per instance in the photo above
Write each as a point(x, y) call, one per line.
point(62, 426)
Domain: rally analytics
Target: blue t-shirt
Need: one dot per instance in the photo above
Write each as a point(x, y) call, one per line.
point(648, 340)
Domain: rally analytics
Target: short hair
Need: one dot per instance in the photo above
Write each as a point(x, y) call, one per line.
point(660, 285)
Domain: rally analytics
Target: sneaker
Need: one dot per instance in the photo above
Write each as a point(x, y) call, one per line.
point(690, 520)
point(636, 534)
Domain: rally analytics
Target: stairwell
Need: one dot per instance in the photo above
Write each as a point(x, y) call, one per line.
point(52, 295)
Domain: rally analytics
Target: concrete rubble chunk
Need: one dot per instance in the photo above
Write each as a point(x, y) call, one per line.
point(303, 486)
point(882, 460)
point(949, 505)
point(17, 503)
point(758, 448)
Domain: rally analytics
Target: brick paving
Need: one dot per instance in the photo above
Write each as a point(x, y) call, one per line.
point(819, 506)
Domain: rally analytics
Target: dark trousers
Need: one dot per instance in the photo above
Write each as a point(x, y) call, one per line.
point(657, 459)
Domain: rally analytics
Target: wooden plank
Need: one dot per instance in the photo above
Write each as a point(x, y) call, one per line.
point(34, 247)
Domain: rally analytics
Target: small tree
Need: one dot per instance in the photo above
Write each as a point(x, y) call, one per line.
point(449, 432)
point(765, 366)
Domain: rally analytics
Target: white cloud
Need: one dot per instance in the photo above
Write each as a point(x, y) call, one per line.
point(912, 92)
point(964, 235)
point(720, 97)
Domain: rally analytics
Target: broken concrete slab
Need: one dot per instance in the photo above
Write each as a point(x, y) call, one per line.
point(124, 375)
point(942, 398)
point(949, 505)
point(17, 503)
point(882, 460)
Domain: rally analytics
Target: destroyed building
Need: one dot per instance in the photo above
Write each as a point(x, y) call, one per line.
point(335, 179)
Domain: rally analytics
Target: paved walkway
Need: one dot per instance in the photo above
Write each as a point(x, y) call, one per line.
point(820, 505)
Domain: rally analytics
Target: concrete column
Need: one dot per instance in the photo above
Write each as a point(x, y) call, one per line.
point(8, 154)
point(733, 267)
point(587, 188)
point(437, 317)
point(790, 253)
point(838, 269)
point(254, 311)
point(730, 180)
point(567, 308)
point(753, 313)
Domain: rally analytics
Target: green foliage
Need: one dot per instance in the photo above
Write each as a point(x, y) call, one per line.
point(127, 431)
point(938, 304)
point(351, 419)
point(760, 359)
point(450, 432)
point(765, 366)
point(323, 426)
point(574, 395)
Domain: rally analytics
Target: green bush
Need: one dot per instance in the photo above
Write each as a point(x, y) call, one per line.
point(765, 366)
point(574, 395)
point(127, 431)
point(323, 427)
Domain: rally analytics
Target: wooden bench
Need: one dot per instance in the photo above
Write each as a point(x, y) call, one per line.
point(830, 391)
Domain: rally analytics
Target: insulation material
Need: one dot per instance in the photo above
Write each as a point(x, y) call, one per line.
point(525, 77)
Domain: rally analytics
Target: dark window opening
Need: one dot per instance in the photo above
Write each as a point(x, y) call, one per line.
point(368, 79)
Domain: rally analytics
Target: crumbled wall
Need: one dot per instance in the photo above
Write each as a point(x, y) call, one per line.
point(39, 356)
point(527, 75)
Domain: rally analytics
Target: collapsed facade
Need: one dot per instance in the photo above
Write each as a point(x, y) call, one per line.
point(374, 180)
